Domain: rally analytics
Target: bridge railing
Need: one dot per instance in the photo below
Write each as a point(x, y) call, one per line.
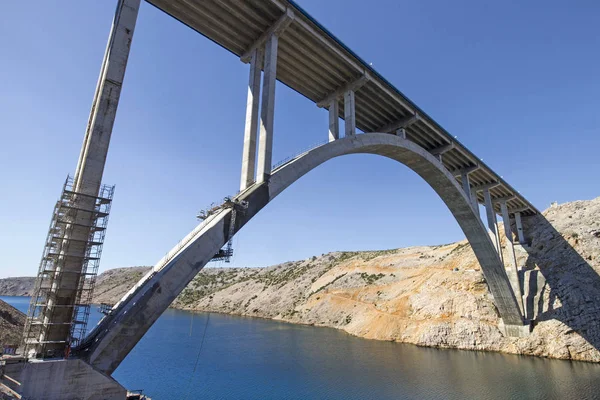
point(298, 154)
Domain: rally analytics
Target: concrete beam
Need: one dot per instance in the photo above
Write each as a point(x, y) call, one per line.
point(504, 199)
point(486, 186)
point(349, 114)
point(438, 151)
point(467, 170)
point(250, 129)
point(275, 30)
point(267, 111)
point(400, 124)
point(518, 210)
point(334, 120)
point(352, 86)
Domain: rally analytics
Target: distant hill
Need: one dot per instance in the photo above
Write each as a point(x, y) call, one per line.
point(20, 286)
point(110, 285)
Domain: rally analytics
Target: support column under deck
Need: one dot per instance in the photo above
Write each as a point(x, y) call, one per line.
point(334, 120)
point(492, 221)
point(250, 129)
point(267, 110)
point(349, 114)
point(519, 225)
point(475, 202)
point(467, 186)
point(514, 271)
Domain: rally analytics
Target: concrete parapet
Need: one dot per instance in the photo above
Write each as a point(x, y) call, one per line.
point(61, 379)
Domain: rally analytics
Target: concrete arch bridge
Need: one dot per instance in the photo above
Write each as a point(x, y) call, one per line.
point(135, 313)
point(281, 43)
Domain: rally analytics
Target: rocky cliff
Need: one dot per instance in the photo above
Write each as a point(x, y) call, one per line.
point(430, 295)
point(11, 325)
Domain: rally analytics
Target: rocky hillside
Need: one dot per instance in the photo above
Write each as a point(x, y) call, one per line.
point(430, 296)
point(433, 296)
point(11, 324)
point(111, 285)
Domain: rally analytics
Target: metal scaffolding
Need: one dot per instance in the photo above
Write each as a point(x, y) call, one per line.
point(72, 211)
point(236, 206)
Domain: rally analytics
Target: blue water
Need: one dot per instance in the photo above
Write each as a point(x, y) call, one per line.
point(248, 358)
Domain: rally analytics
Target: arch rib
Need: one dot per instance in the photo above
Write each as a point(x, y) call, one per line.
point(116, 335)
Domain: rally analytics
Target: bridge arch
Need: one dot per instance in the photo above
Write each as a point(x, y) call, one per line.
point(116, 335)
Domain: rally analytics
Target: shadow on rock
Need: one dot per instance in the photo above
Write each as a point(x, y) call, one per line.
point(571, 291)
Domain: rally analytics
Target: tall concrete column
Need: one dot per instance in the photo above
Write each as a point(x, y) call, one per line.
point(466, 184)
point(267, 110)
point(250, 129)
point(474, 201)
point(70, 266)
point(519, 225)
point(349, 114)
point(106, 99)
point(514, 271)
point(334, 120)
point(491, 220)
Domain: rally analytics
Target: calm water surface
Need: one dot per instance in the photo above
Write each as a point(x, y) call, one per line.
point(247, 358)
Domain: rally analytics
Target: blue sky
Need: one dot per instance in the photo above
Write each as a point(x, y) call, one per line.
point(517, 82)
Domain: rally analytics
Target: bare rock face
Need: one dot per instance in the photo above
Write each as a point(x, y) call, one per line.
point(433, 296)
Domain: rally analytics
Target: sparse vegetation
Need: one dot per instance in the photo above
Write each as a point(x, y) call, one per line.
point(371, 278)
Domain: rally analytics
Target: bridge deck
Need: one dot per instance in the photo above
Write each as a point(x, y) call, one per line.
point(315, 64)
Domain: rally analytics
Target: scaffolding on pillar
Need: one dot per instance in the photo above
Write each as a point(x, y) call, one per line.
point(89, 216)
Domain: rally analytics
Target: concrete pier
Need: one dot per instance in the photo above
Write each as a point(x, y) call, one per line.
point(491, 220)
point(334, 120)
point(349, 114)
point(60, 302)
point(267, 111)
point(250, 128)
point(513, 274)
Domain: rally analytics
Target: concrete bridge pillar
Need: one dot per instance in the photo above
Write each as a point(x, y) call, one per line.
point(106, 99)
point(349, 114)
point(60, 307)
point(519, 225)
point(492, 221)
point(334, 120)
point(267, 110)
point(514, 271)
point(250, 129)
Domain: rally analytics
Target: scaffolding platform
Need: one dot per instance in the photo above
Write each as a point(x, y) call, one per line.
point(69, 262)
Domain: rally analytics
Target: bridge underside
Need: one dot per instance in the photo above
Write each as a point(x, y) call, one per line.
point(313, 62)
point(118, 333)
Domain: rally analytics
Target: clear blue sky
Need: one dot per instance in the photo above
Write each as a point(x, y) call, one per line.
point(517, 82)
